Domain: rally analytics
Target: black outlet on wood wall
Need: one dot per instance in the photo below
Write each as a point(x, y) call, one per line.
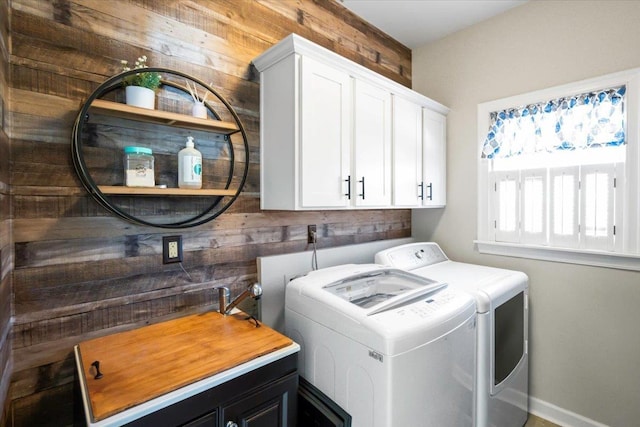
point(171, 249)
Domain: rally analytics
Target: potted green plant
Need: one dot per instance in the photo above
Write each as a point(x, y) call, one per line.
point(140, 87)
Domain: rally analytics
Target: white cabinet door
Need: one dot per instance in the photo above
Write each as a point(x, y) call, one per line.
point(371, 178)
point(325, 135)
point(434, 173)
point(407, 152)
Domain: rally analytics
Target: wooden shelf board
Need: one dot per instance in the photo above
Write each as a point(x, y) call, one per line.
point(163, 117)
point(153, 191)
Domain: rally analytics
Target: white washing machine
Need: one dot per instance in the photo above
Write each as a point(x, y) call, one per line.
point(391, 348)
point(501, 386)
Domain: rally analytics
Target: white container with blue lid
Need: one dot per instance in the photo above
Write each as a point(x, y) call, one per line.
point(138, 167)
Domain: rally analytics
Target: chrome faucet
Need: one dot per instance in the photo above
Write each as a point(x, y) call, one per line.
point(224, 294)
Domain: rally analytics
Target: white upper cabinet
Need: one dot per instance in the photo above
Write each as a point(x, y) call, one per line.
point(434, 159)
point(325, 141)
point(333, 134)
point(371, 146)
point(419, 155)
point(407, 153)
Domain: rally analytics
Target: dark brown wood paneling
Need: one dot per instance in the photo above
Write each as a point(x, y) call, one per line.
point(53, 407)
point(5, 339)
point(81, 273)
point(341, 31)
point(6, 250)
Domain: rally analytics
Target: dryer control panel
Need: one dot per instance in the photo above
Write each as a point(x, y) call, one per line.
point(411, 256)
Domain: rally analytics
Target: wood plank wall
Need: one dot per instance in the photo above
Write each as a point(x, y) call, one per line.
point(6, 248)
point(78, 272)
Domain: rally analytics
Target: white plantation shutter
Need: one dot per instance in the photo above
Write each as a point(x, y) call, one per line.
point(564, 207)
point(507, 206)
point(534, 206)
point(571, 207)
point(618, 207)
point(597, 207)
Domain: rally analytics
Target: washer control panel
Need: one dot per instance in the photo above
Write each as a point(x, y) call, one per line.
point(411, 256)
point(427, 307)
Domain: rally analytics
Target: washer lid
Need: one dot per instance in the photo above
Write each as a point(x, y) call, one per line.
point(380, 290)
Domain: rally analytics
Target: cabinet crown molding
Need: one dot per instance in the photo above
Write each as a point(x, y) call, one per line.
point(296, 44)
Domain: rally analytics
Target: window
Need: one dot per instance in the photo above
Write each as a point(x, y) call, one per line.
point(558, 173)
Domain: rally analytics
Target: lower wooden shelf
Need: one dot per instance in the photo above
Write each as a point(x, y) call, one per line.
point(154, 191)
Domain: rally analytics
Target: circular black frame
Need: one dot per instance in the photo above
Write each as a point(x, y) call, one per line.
point(90, 185)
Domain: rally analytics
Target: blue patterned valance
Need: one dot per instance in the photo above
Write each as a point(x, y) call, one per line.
point(587, 120)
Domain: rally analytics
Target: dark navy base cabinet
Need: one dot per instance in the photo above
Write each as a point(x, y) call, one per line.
point(265, 397)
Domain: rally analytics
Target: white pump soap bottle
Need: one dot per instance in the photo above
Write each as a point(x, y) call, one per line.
point(189, 166)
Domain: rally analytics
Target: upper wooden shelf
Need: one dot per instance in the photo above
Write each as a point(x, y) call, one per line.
point(153, 191)
point(161, 117)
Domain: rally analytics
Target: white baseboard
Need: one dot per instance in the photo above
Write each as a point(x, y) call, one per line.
point(560, 416)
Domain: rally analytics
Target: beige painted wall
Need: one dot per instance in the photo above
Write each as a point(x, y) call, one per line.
point(584, 321)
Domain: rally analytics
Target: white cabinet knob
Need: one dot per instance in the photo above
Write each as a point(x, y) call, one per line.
point(231, 424)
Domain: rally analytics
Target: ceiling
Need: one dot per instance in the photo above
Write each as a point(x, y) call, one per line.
point(415, 23)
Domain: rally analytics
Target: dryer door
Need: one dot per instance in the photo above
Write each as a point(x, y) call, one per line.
point(509, 340)
point(507, 382)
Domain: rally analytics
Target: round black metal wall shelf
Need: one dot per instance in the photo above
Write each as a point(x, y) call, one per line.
point(105, 125)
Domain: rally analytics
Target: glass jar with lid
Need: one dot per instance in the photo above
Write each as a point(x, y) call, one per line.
point(138, 167)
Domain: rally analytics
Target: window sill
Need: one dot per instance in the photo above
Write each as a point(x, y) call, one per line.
point(572, 256)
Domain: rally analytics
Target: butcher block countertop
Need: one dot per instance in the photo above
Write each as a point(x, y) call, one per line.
point(158, 364)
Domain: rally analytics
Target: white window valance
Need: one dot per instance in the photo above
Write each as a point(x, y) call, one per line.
point(587, 120)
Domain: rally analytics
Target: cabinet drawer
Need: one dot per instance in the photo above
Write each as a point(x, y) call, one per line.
point(271, 406)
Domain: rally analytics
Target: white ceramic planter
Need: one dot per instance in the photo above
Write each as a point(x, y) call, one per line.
point(199, 110)
point(139, 96)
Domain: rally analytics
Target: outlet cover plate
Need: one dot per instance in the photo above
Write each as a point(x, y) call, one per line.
point(312, 234)
point(171, 249)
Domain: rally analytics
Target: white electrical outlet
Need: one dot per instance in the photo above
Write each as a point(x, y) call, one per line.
point(173, 250)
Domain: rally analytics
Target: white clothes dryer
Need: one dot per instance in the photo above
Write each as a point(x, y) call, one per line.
point(391, 348)
point(501, 385)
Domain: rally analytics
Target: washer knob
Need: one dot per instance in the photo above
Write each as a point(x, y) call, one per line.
point(420, 254)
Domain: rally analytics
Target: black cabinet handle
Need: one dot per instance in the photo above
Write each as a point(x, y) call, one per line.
point(362, 195)
point(348, 193)
point(430, 186)
point(421, 186)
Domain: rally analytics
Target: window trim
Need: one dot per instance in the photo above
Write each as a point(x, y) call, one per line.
point(621, 261)
point(628, 252)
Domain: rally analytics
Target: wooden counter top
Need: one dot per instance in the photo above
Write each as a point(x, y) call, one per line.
point(145, 363)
